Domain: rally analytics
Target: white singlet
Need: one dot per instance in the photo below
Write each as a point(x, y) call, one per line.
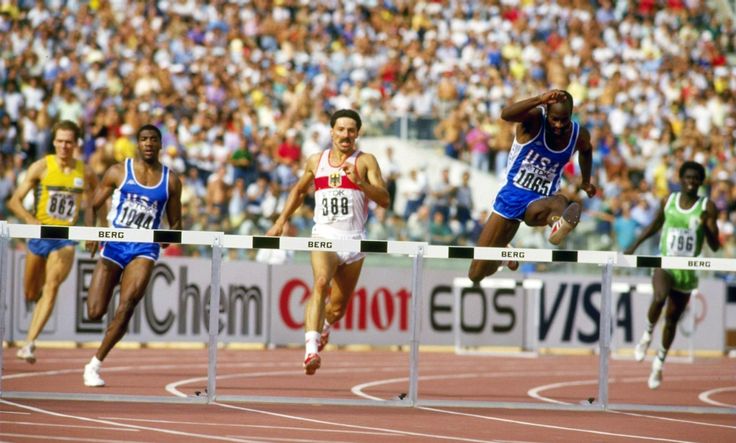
point(340, 205)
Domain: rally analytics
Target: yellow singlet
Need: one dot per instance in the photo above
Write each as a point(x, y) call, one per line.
point(59, 194)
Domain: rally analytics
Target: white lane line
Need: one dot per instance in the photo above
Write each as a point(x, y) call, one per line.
point(678, 420)
point(157, 367)
point(15, 413)
point(535, 392)
point(149, 367)
point(39, 374)
point(173, 387)
point(705, 396)
point(300, 440)
point(358, 389)
point(81, 369)
point(56, 425)
point(290, 428)
point(124, 425)
point(370, 428)
point(561, 428)
point(75, 439)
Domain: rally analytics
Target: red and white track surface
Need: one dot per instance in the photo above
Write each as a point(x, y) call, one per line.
point(353, 376)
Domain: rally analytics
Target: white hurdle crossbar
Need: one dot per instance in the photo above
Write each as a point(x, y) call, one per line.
point(418, 250)
point(207, 238)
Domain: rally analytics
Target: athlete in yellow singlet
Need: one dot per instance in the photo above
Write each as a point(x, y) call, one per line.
point(60, 184)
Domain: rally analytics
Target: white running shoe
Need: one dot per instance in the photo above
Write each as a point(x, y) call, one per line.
point(640, 351)
point(92, 376)
point(27, 353)
point(565, 224)
point(655, 377)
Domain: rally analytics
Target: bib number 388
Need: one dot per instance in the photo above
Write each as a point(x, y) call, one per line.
point(336, 205)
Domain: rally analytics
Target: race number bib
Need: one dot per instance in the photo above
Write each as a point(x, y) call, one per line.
point(136, 214)
point(336, 204)
point(61, 205)
point(532, 179)
point(681, 242)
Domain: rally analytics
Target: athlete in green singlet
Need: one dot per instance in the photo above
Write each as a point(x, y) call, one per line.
point(686, 220)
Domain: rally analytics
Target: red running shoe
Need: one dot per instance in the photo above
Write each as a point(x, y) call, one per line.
point(324, 338)
point(312, 363)
point(565, 224)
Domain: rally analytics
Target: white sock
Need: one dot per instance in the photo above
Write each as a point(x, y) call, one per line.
point(95, 362)
point(649, 328)
point(326, 327)
point(646, 337)
point(311, 341)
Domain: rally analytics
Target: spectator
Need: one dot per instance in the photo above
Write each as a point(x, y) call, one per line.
point(653, 78)
point(477, 140)
point(441, 193)
point(392, 171)
point(625, 228)
point(463, 199)
point(415, 190)
point(439, 231)
point(7, 186)
point(243, 163)
point(417, 226)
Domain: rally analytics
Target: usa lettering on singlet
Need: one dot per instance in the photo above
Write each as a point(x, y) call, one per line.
point(534, 166)
point(137, 206)
point(339, 202)
point(58, 194)
point(682, 232)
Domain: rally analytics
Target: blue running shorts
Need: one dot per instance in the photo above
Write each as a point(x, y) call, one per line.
point(122, 253)
point(511, 202)
point(45, 246)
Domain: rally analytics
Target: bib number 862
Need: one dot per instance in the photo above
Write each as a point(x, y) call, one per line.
point(61, 206)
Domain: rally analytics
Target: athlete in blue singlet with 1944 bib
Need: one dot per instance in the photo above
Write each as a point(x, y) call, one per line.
point(142, 191)
point(546, 139)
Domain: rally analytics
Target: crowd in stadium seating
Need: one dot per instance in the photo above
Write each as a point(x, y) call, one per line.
point(242, 91)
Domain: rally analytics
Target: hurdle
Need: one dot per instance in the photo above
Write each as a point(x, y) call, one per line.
point(417, 251)
point(688, 322)
point(531, 294)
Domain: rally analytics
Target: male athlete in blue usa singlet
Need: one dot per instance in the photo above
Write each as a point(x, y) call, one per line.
point(546, 139)
point(136, 206)
point(533, 172)
point(142, 191)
